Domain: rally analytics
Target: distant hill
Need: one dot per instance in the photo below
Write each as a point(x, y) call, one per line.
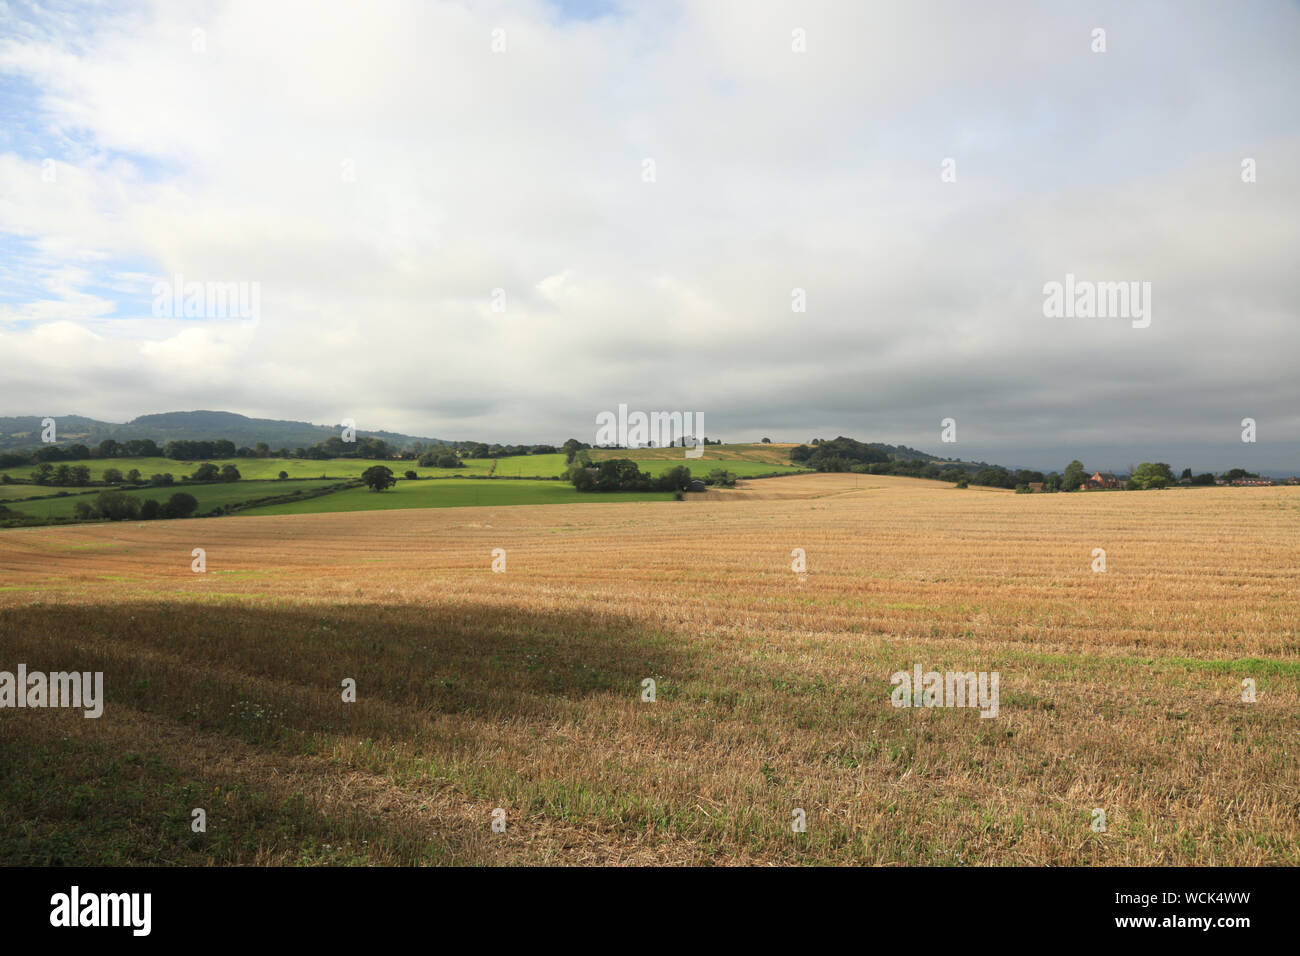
point(905, 453)
point(24, 431)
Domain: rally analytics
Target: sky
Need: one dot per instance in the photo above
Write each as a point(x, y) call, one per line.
point(496, 220)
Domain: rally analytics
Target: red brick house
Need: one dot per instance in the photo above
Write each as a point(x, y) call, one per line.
point(1108, 480)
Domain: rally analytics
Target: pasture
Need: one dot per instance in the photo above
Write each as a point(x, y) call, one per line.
point(523, 466)
point(209, 496)
point(522, 690)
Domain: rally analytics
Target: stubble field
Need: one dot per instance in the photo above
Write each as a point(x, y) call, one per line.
point(521, 690)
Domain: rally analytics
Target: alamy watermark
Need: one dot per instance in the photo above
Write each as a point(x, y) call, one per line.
point(953, 689)
point(656, 429)
point(1083, 299)
point(75, 908)
point(77, 689)
point(179, 299)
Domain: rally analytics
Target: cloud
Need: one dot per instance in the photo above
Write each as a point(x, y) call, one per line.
point(379, 171)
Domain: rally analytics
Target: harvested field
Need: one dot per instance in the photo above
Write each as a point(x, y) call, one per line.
point(521, 690)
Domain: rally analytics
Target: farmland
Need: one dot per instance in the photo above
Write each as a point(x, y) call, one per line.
point(452, 493)
point(700, 467)
point(774, 455)
point(523, 466)
point(522, 690)
point(209, 496)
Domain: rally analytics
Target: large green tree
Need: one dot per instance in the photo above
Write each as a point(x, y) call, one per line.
point(1074, 476)
point(180, 505)
point(378, 477)
point(1150, 474)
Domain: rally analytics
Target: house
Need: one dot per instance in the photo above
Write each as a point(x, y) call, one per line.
point(1108, 480)
point(698, 485)
point(1037, 486)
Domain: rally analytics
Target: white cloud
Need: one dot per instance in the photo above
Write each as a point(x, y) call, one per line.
point(522, 170)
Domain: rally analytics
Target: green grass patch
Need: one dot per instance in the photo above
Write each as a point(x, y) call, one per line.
point(257, 469)
point(454, 493)
point(208, 496)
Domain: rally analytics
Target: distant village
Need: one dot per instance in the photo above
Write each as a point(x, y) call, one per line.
point(1100, 480)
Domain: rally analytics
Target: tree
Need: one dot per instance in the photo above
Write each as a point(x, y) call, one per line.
point(1150, 475)
point(140, 448)
point(580, 477)
point(159, 481)
point(440, 458)
point(229, 473)
point(150, 509)
point(410, 476)
point(767, 441)
point(677, 478)
point(180, 505)
point(117, 506)
point(1074, 476)
point(378, 477)
point(284, 474)
point(994, 478)
point(84, 511)
point(571, 448)
point(838, 455)
point(112, 476)
point(206, 471)
point(133, 476)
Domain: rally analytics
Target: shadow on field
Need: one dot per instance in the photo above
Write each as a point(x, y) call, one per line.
point(195, 662)
point(239, 709)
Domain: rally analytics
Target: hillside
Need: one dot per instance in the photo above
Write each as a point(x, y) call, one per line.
point(24, 431)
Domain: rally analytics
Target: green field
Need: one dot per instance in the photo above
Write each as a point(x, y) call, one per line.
point(768, 454)
point(208, 496)
point(740, 460)
point(656, 461)
point(454, 493)
point(523, 466)
point(700, 467)
point(10, 492)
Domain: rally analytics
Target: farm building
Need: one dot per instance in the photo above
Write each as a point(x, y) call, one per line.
point(1107, 480)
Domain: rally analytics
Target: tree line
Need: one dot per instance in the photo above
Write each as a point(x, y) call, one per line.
point(435, 455)
point(117, 506)
point(848, 455)
point(66, 475)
